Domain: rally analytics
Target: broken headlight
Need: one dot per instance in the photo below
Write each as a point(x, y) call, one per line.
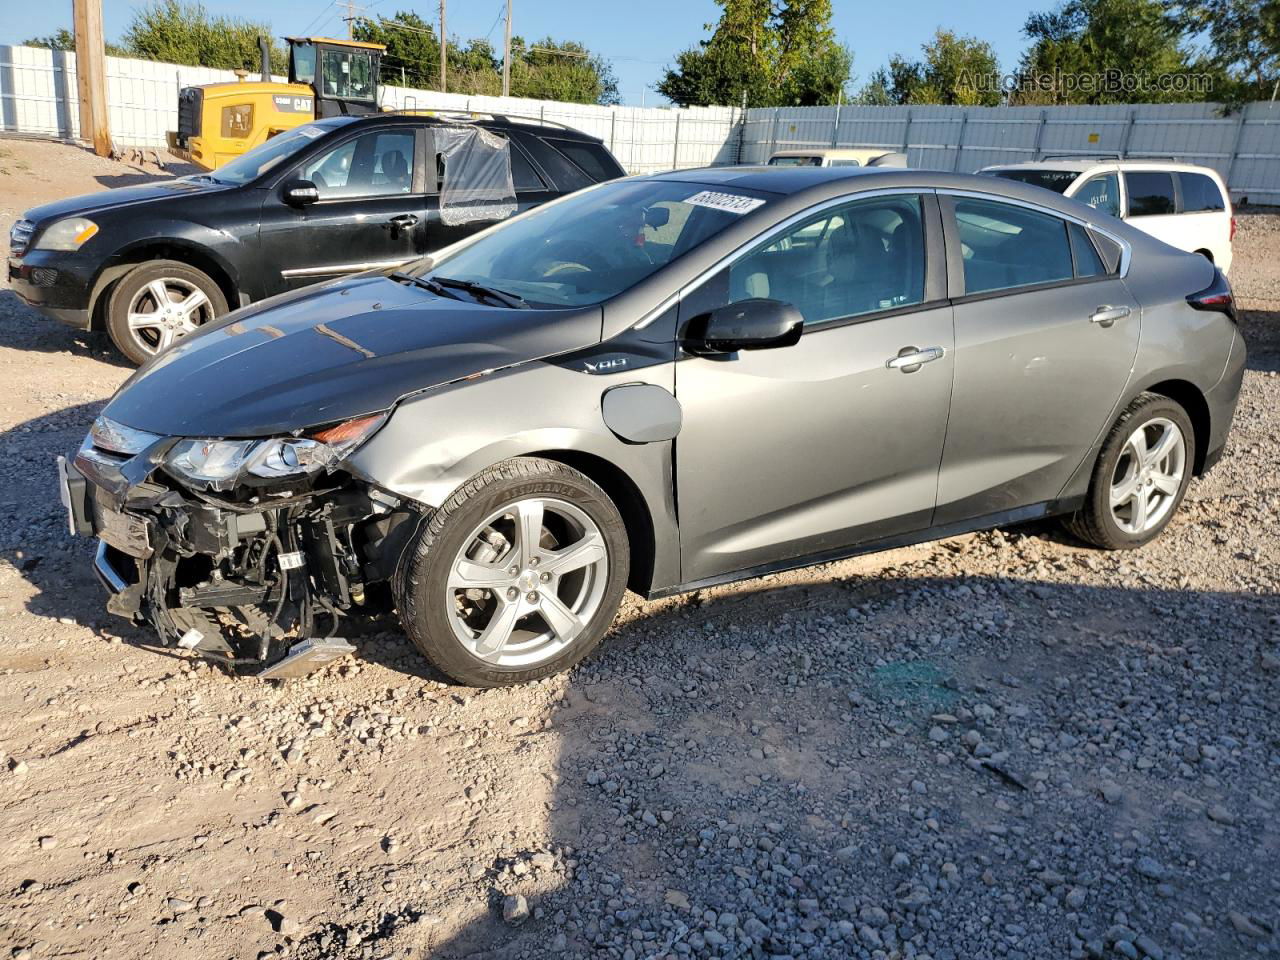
point(221, 464)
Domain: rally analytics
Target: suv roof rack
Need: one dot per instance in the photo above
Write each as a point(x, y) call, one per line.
point(459, 115)
point(1086, 155)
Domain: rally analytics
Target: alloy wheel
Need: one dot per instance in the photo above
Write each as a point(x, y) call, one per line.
point(527, 581)
point(164, 310)
point(1148, 476)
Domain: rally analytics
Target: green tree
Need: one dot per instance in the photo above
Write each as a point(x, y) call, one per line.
point(1105, 51)
point(64, 39)
point(1243, 40)
point(561, 70)
point(176, 31)
point(413, 49)
point(956, 70)
point(763, 54)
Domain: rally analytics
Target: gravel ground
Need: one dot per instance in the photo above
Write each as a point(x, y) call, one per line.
point(999, 745)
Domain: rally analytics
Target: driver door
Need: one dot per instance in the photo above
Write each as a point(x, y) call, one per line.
point(798, 451)
point(371, 213)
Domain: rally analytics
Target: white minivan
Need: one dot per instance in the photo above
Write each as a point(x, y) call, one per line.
point(1184, 205)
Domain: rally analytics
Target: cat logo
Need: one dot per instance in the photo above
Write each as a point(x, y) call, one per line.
point(605, 366)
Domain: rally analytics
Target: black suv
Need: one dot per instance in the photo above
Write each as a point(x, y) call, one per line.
point(335, 197)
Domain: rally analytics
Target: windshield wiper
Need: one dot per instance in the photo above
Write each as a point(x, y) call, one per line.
point(479, 290)
point(426, 283)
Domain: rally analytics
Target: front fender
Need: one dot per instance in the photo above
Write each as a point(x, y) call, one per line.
point(435, 442)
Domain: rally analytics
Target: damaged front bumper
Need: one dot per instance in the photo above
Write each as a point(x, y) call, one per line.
point(261, 585)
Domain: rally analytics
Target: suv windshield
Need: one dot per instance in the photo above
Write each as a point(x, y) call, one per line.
point(1055, 180)
point(253, 164)
point(597, 243)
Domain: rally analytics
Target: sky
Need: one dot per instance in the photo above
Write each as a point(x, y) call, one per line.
point(640, 39)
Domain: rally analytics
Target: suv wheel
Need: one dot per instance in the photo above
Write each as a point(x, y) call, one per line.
point(1141, 476)
point(517, 576)
point(157, 303)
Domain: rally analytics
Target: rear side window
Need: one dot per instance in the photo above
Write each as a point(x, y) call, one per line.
point(1102, 193)
point(1088, 263)
point(1150, 193)
point(1199, 193)
point(590, 158)
point(1004, 246)
point(523, 176)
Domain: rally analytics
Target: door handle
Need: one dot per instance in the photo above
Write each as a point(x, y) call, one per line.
point(403, 222)
point(910, 359)
point(1107, 315)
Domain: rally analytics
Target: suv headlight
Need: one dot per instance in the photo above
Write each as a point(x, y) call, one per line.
point(222, 464)
point(67, 235)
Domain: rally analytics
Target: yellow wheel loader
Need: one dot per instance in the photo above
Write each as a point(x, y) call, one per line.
point(219, 121)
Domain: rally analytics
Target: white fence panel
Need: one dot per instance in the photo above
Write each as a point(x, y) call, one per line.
point(1243, 146)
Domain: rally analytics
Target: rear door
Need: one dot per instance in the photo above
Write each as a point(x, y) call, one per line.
point(1046, 334)
point(793, 452)
point(371, 212)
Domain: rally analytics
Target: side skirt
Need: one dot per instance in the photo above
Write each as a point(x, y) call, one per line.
point(1035, 511)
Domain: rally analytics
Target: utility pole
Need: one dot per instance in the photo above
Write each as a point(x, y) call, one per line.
point(444, 52)
point(351, 18)
point(506, 56)
point(91, 75)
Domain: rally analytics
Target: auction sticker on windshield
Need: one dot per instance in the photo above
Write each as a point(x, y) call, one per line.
point(728, 202)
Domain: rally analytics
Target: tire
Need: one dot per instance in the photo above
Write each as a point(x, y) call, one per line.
point(136, 295)
point(1118, 471)
point(503, 628)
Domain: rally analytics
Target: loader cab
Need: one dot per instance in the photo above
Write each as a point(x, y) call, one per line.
point(343, 73)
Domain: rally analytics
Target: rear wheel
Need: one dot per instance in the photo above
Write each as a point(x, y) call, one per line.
point(157, 303)
point(517, 576)
point(1141, 476)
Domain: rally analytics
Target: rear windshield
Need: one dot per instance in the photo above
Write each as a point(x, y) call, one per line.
point(1055, 180)
point(264, 157)
point(795, 161)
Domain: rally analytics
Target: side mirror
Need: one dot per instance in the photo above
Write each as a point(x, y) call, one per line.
point(657, 217)
point(299, 193)
point(755, 324)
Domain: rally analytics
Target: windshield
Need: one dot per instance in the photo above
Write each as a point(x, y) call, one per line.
point(253, 164)
point(1055, 180)
point(795, 161)
point(598, 243)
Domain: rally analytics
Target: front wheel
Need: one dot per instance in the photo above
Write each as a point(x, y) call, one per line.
point(157, 303)
point(1141, 476)
point(517, 576)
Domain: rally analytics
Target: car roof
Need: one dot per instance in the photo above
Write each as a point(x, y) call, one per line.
point(815, 184)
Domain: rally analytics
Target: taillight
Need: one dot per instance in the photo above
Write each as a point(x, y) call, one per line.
point(1232, 236)
point(1217, 296)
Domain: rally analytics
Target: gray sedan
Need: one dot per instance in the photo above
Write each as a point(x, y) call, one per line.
point(659, 383)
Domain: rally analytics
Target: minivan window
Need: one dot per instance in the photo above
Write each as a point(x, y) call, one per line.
point(1199, 193)
point(1055, 180)
point(855, 259)
point(1150, 192)
point(1005, 246)
point(1102, 193)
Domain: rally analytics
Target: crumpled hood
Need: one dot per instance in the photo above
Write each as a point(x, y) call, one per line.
point(88, 204)
point(331, 353)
